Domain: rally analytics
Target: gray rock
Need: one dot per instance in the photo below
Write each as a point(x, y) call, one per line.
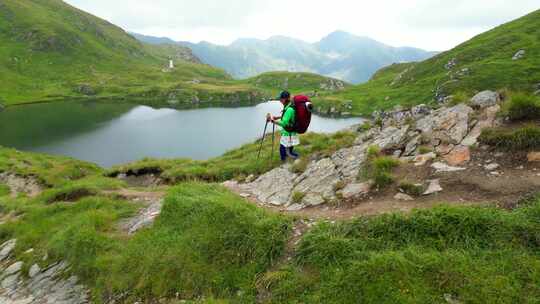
point(6, 249)
point(295, 207)
point(318, 182)
point(356, 190)
point(145, 218)
point(441, 167)
point(420, 110)
point(403, 197)
point(537, 93)
point(412, 146)
point(34, 270)
point(86, 89)
point(434, 187)
point(446, 124)
point(491, 167)
point(485, 99)
point(274, 187)
point(13, 269)
point(391, 138)
point(520, 54)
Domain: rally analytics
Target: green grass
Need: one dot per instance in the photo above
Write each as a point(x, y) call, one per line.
point(206, 242)
point(378, 168)
point(525, 138)
point(240, 162)
point(522, 107)
point(411, 188)
point(474, 254)
point(275, 82)
point(488, 58)
point(49, 170)
point(4, 190)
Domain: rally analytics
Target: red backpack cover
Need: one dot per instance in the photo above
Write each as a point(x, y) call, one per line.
point(303, 107)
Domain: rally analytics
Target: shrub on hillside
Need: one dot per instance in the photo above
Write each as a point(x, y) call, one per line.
point(525, 138)
point(522, 106)
point(378, 168)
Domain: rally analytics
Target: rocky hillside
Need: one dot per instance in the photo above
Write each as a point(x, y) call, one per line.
point(339, 55)
point(505, 57)
point(434, 149)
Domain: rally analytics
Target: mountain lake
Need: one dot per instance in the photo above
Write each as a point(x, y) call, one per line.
point(112, 133)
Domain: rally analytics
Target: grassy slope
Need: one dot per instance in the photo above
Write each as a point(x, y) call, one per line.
point(296, 82)
point(209, 242)
point(49, 48)
point(237, 163)
point(487, 56)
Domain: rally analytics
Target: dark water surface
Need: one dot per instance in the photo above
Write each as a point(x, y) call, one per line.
point(110, 133)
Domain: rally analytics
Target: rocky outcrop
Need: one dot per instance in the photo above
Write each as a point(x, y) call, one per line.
point(50, 284)
point(18, 184)
point(448, 131)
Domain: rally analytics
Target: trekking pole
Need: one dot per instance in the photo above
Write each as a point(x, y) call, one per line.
point(273, 142)
point(262, 140)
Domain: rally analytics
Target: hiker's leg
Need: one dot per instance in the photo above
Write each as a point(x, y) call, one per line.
point(291, 153)
point(283, 152)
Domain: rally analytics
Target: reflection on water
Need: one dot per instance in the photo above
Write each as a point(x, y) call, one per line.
point(114, 133)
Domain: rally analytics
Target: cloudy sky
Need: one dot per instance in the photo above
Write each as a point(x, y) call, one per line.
point(429, 24)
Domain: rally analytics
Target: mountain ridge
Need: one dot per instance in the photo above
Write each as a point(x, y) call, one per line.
point(339, 55)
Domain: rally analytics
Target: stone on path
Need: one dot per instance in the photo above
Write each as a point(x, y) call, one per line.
point(434, 187)
point(491, 167)
point(355, 190)
point(442, 167)
point(403, 197)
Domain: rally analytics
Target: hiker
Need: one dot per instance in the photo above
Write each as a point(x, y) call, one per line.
point(289, 138)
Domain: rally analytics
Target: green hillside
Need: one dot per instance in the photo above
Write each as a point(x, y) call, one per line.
point(50, 50)
point(296, 82)
point(484, 62)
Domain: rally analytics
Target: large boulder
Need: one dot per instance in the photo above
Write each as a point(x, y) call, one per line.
point(274, 187)
point(318, 182)
point(446, 124)
point(485, 99)
point(349, 160)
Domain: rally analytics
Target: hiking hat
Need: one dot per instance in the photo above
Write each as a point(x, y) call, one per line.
point(284, 95)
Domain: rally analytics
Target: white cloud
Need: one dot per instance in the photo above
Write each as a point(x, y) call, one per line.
point(430, 24)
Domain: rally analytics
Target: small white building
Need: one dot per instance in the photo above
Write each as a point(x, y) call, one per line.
point(171, 64)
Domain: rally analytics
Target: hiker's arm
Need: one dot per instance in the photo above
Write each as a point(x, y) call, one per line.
point(285, 120)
